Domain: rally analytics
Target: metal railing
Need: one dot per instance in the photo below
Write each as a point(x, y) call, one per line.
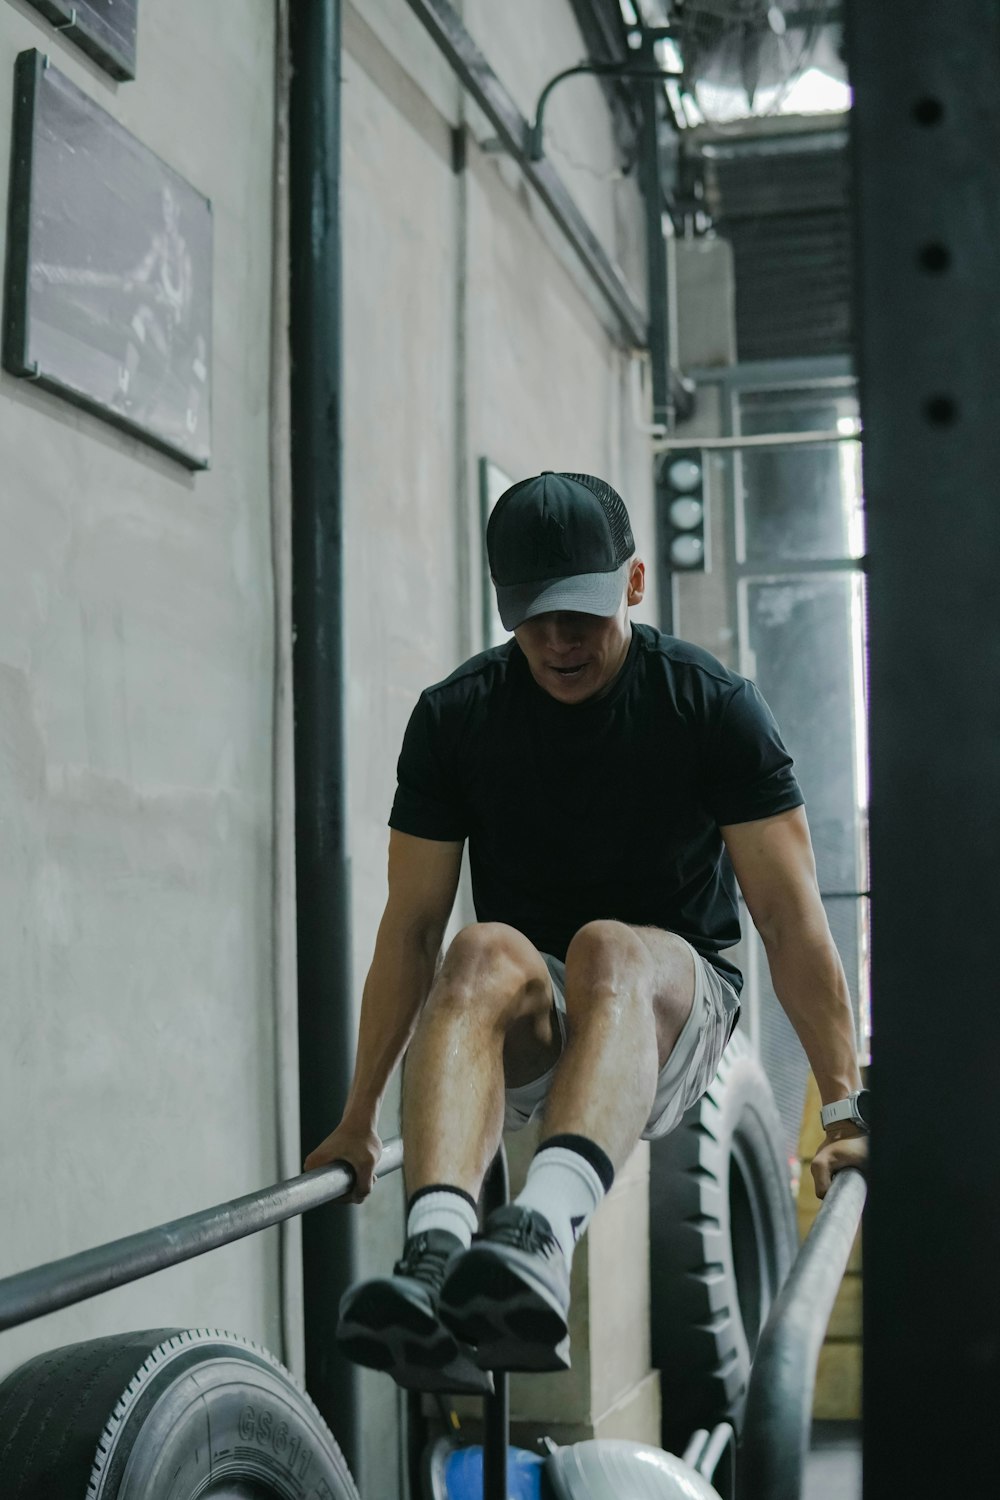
point(783, 1378)
point(60, 1283)
point(779, 1402)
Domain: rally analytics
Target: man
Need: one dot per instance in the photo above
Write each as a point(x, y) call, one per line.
point(602, 773)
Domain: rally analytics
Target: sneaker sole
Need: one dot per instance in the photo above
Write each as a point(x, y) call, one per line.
point(382, 1329)
point(490, 1301)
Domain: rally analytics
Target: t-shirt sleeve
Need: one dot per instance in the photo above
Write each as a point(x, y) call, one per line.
point(748, 770)
point(428, 802)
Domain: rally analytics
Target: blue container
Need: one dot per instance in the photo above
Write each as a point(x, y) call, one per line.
point(463, 1474)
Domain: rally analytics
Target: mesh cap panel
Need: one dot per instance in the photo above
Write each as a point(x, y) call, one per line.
point(614, 508)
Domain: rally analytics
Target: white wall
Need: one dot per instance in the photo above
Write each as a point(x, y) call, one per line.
point(136, 643)
point(136, 632)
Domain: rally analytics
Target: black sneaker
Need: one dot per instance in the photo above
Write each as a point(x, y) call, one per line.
point(391, 1323)
point(509, 1294)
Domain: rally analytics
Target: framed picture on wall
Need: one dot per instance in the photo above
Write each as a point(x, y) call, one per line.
point(109, 269)
point(492, 483)
point(104, 29)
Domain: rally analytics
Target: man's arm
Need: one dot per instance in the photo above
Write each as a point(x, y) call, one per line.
point(774, 864)
point(423, 878)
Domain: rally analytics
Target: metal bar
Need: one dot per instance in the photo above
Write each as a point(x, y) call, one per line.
point(720, 1455)
point(476, 75)
point(819, 370)
point(926, 153)
point(756, 440)
point(696, 1444)
point(657, 274)
point(496, 1408)
point(599, 70)
point(775, 571)
point(811, 15)
point(327, 1028)
point(61, 1283)
point(780, 1398)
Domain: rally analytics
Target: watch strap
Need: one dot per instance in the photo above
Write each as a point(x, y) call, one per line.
point(843, 1109)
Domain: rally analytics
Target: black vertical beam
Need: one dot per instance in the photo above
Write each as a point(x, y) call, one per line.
point(326, 1022)
point(496, 1408)
point(659, 334)
point(926, 142)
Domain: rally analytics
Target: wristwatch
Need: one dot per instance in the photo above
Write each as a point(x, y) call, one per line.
point(855, 1108)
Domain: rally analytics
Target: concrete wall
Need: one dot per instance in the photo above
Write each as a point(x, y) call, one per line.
point(137, 643)
point(137, 1077)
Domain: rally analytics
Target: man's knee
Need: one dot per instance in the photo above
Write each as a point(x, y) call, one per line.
point(492, 967)
point(605, 943)
point(610, 961)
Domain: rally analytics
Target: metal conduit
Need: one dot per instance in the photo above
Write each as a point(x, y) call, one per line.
point(327, 1025)
point(755, 440)
point(44, 1289)
point(780, 1399)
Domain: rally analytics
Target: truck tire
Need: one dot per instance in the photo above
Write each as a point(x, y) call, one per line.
point(166, 1412)
point(722, 1239)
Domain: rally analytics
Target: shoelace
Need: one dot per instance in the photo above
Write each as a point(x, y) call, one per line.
point(524, 1233)
point(424, 1261)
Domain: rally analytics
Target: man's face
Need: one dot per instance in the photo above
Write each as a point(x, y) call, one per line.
point(575, 656)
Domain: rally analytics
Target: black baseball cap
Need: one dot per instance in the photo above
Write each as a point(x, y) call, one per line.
point(558, 541)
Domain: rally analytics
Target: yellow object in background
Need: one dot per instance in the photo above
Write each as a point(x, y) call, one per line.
point(838, 1376)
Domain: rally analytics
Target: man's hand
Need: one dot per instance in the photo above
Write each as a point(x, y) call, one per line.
point(359, 1148)
point(845, 1147)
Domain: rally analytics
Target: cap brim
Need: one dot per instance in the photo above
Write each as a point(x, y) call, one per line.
point(584, 593)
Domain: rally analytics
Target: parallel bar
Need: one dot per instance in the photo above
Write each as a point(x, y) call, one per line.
point(780, 1399)
point(514, 131)
point(61, 1283)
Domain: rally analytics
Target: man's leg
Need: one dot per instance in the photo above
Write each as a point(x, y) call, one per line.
point(628, 994)
point(488, 1020)
point(490, 1008)
point(629, 991)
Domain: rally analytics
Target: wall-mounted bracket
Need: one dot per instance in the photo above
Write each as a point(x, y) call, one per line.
point(598, 69)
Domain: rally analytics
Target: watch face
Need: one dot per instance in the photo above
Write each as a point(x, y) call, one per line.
point(864, 1107)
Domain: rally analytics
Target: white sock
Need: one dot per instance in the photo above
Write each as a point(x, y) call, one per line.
point(443, 1207)
point(566, 1187)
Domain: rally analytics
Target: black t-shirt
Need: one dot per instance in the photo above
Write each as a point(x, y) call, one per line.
point(609, 808)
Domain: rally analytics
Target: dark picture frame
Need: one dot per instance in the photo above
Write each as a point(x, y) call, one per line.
point(105, 29)
point(109, 269)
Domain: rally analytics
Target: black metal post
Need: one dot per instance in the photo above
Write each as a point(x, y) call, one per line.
point(326, 1022)
point(496, 1408)
point(926, 144)
point(659, 312)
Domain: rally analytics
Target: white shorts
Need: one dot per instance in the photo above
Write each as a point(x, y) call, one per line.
point(688, 1070)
